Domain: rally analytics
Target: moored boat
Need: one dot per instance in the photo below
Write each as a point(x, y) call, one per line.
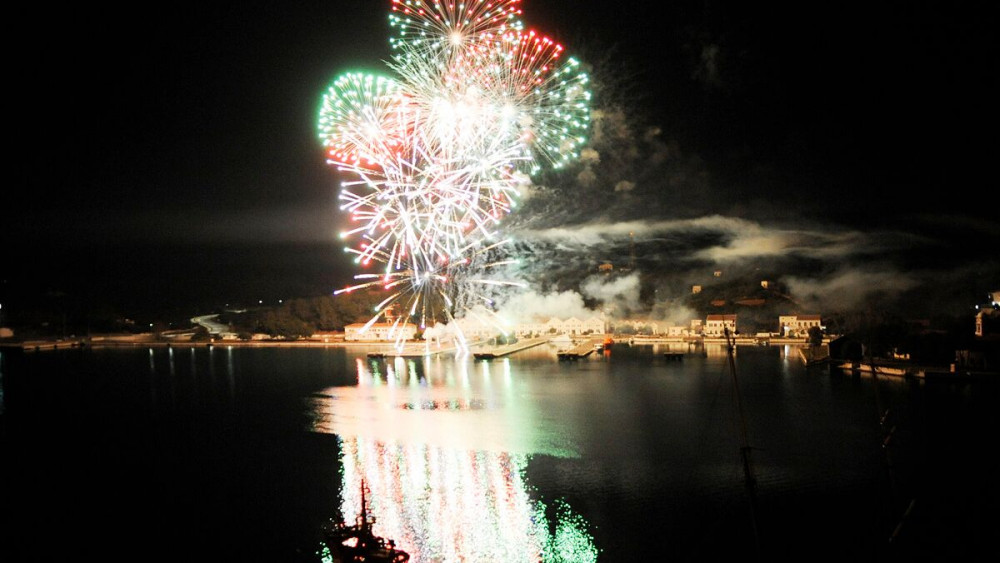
point(879, 369)
point(350, 543)
point(815, 355)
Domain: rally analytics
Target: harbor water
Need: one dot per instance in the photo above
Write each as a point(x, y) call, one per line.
point(241, 454)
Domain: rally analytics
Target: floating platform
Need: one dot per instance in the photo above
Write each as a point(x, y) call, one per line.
point(494, 352)
point(573, 355)
point(60, 344)
point(581, 350)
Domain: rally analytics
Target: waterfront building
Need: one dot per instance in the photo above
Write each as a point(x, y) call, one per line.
point(715, 325)
point(796, 326)
point(477, 327)
point(987, 322)
point(694, 328)
point(386, 332)
point(636, 326)
point(554, 325)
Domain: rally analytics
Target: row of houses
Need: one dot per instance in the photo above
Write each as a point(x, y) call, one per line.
point(476, 328)
point(714, 326)
point(792, 326)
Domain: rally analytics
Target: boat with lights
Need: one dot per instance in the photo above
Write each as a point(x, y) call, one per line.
point(357, 542)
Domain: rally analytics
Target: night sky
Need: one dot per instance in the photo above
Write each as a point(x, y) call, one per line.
point(169, 153)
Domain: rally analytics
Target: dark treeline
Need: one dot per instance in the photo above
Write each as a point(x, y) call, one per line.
point(303, 317)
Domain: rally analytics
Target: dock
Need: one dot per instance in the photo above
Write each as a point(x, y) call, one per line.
point(410, 350)
point(581, 350)
point(59, 344)
point(491, 352)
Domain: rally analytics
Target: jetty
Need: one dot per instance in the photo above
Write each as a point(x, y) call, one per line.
point(58, 344)
point(880, 367)
point(491, 352)
point(582, 350)
point(410, 350)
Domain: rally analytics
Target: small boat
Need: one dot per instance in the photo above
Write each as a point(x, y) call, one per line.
point(815, 355)
point(376, 355)
point(883, 369)
point(350, 543)
point(879, 369)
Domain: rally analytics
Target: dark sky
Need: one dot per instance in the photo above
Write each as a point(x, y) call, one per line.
point(191, 126)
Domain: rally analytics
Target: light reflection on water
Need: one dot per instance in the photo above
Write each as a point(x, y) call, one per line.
point(608, 452)
point(443, 450)
point(447, 504)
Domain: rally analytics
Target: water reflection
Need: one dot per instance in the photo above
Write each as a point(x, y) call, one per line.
point(443, 449)
point(446, 504)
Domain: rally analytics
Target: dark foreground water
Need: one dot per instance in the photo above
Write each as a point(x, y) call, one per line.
point(240, 454)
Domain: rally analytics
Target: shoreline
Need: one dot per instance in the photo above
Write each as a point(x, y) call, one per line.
point(147, 340)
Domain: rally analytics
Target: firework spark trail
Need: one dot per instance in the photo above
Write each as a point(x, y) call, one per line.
point(438, 30)
point(438, 153)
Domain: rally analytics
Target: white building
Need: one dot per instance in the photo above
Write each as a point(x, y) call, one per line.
point(573, 325)
point(477, 327)
point(796, 326)
point(715, 325)
point(383, 332)
point(676, 331)
point(554, 325)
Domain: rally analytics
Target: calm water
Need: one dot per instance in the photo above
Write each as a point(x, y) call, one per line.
point(239, 454)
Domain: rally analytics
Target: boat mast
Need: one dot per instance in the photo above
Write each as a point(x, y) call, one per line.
point(749, 478)
point(888, 429)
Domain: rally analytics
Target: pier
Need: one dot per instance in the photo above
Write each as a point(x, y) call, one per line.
point(581, 350)
point(59, 344)
point(491, 352)
point(411, 350)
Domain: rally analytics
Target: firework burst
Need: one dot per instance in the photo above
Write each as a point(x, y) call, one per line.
point(435, 156)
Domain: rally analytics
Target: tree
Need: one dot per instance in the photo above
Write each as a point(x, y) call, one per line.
point(281, 322)
point(815, 335)
point(201, 334)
